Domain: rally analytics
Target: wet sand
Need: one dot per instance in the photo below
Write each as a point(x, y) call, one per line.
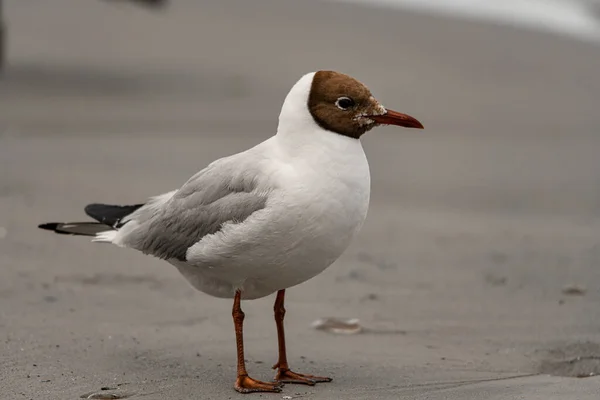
point(481, 228)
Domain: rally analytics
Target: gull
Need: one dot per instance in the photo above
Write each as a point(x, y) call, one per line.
point(268, 218)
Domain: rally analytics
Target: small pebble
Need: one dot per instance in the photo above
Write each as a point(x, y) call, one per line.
point(573, 290)
point(347, 326)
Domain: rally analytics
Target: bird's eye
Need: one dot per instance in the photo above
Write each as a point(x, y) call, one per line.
point(344, 103)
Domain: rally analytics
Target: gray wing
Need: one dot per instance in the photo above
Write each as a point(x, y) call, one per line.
point(219, 194)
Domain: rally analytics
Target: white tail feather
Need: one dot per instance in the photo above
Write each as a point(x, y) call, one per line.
point(105, 237)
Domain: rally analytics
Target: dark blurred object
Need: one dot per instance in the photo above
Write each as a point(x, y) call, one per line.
point(2, 38)
point(153, 3)
point(148, 3)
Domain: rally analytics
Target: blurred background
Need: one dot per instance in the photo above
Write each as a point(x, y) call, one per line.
point(480, 258)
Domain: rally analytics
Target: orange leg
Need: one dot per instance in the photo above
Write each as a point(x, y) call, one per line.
point(243, 383)
point(284, 374)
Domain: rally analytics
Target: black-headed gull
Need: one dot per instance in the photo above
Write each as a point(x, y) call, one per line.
point(268, 218)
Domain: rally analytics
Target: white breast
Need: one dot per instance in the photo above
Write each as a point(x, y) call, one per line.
point(330, 188)
point(329, 179)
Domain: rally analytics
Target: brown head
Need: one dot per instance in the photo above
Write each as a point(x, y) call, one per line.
point(341, 104)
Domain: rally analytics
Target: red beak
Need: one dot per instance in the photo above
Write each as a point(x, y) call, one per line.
point(396, 118)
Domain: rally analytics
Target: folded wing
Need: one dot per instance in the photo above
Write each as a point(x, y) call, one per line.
point(222, 193)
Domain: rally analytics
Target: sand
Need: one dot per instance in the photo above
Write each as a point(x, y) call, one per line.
point(476, 276)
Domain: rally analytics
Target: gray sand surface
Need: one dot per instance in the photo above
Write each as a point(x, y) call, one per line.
point(477, 225)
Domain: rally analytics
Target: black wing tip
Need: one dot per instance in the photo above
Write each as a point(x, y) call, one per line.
point(54, 227)
point(75, 228)
point(98, 211)
point(91, 208)
point(109, 214)
point(49, 226)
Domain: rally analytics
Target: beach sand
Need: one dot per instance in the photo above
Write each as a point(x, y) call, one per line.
point(476, 275)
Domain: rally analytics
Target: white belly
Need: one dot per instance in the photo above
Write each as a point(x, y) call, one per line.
point(307, 224)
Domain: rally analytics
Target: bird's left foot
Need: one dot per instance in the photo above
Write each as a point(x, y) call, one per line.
point(245, 384)
point(285, 375)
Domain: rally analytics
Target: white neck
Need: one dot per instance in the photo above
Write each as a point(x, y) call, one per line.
point(294, 116)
